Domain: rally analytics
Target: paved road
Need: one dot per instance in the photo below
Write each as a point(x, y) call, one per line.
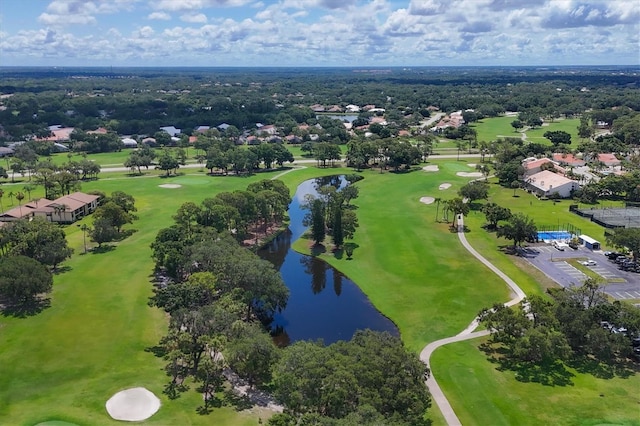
point(200, 166)
point(468, 333)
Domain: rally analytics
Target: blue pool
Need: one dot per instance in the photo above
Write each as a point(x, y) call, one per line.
point(554, 235)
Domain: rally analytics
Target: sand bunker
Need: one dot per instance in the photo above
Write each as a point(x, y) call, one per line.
point(133, 405)
point(472, 165)
point(431, 168)
point(444, 186)
point(170, 185)
point(427, 200)
point(469, 174)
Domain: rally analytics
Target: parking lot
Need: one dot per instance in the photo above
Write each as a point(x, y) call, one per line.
point(550, 261)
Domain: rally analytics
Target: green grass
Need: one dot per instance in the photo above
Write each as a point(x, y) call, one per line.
point(64, 363)
point(490, 129)
point(483, 395)
point(91, 342)
point(413, 270)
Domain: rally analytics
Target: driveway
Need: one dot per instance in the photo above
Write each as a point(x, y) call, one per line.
point(550, 261)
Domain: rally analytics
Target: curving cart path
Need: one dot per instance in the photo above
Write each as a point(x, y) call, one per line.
point(468, 333)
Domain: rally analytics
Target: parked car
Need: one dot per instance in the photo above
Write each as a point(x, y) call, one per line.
point(588, 262)
point(559, 246)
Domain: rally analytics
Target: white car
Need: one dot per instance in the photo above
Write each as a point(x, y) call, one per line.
point(588, 263)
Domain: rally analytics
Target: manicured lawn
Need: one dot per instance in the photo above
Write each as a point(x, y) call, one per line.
point(415, 271)
point(566, 125)
point(65, 362)
point(489, 129)
point(482, 395)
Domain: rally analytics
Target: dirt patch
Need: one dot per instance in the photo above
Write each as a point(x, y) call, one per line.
point(431, 168)
point(444, 186)
point(469, 174)
point(133, 405)
point(427, 200)
point(170, 186)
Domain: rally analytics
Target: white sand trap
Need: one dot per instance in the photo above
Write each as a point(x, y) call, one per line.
point(469, 174)
point(170, 185)
point(444, 186)
point(472, 165)
point(133, 405)
point(431, 168)
point(427, 200)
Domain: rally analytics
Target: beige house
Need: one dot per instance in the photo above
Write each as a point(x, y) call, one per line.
point(67, 209)
point(547, 183)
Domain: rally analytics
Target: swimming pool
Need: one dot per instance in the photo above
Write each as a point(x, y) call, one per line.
point(554, 235)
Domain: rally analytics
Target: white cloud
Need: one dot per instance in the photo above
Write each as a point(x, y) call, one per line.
point(178, 5)
point(159, 16)
point(194, 18)
point(55, 20)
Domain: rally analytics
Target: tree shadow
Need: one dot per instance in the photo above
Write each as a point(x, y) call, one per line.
point(61, 270)
point(26, 309)
point(318, 249)
point(338, 253)
point(602, 370)
point(158, 351)
point(239, 402)
point(547, 374)
point(173, 390)
point(106, 248)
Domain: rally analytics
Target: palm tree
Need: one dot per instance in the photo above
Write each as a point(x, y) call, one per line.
point(28, 188)
point(20, 197)
point(1, 194)
point(437, 200)
point(11, 195)
point(58, 209)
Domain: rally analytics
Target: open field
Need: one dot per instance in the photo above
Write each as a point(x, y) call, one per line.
point(490, 129)
point(416, 272)
point(91, 342)
point(498, 406)
point(65, 362)
point(482, 395)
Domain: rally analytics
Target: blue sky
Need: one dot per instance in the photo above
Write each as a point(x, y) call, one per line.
point(319, 32)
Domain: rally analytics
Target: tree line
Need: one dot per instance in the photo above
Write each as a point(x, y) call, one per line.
point(574, 325)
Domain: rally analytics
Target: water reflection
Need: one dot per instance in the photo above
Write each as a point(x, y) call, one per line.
point(313, 311)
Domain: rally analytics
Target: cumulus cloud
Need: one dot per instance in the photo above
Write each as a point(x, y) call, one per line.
point(573, 15)
point(160, 16)
point(194, 18)
point(64, 12)
point(178, 5)
point(477, 27)
point(428, 7)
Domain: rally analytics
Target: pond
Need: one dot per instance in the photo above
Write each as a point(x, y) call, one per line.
point(323, 303)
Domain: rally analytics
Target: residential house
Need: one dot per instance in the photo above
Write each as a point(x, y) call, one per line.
point(66, 209)
point(202, 129)
point(547, 183)
point(173, 132)
point(609, 160)
point(269, 129)
point(16, 213)
point(58, 134)
point(533, 165)
point(98, 131)
point(6, 152)
point(352, 108)
point(129, 143)
point(293, 139)
point(568, 160)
